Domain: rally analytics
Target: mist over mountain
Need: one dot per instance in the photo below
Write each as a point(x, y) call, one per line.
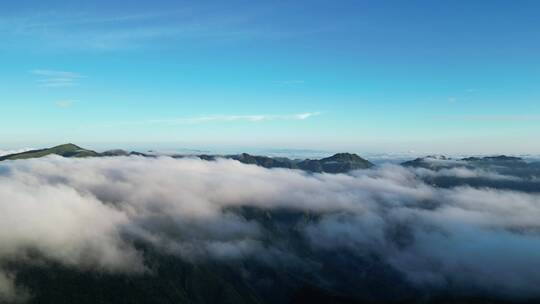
point(245, 229)
point(501, 172)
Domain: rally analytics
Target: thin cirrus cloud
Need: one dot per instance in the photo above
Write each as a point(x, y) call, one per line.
point(80, 31)
point(195, 120)
point(84, 31)
point(56, 79)
point(499, 118)
point(233, 118)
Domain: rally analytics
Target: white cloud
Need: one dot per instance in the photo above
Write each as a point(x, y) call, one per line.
point(56, 79)
point(232, 118)
point(501, 118)
point(474, 238)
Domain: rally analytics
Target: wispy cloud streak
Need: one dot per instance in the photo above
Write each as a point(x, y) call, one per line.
point(56, 79)
point(84, 31)
point(501, 118)
point(233, 118)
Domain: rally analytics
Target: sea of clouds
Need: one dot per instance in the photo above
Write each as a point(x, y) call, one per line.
point(88, 213)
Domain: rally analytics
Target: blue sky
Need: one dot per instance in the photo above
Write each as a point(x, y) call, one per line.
point(362, 76)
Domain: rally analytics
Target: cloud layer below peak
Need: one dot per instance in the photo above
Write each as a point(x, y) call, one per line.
point(87, 214)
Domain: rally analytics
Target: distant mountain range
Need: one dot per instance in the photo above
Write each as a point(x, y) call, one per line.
point(338, 163)
point(441, 161)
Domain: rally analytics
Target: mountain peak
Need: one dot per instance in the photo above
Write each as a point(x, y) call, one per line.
point(68, 146)
point(66, 150)
point(337, 163)
point(351, 157)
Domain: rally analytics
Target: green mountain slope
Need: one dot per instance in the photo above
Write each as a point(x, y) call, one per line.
point(67, 150)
